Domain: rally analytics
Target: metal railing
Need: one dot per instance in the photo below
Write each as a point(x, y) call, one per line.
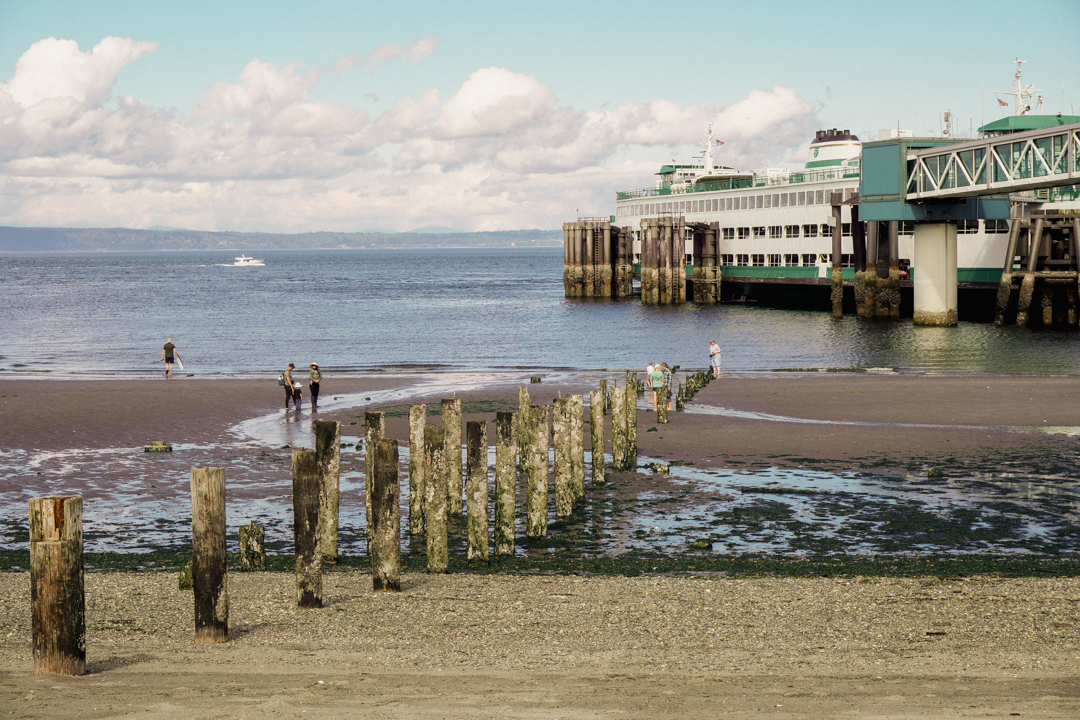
point(795, 178)
point(1002, 164)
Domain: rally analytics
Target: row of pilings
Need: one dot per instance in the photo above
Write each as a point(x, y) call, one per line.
point(1047, 249)
point(597, 259)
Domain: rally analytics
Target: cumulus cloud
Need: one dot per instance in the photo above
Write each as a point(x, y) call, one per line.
point(258, 152)
point(414, 52)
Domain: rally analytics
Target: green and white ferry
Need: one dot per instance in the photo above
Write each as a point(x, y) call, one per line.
point(776, 224)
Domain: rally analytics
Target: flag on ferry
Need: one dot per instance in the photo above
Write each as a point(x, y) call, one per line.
point(719, 143)
point(1002, 103)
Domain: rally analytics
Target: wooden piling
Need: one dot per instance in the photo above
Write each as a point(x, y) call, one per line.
point(417, 420)
point(661, 406)
point(560, 431)
point(631, 431)
point(252, 547)
point(435, 500)
point(537, 469)
point(306, 539)
point(455, 479)
point(524, 426)
point(620, 438)
point(209, 568)
point(57, 598)
point(385, 544)
point(477, 491)
point(588, 259)
point(680, 399)
point(1027, 284)
point(328, 457)
point(1004, 292)
point(576, 410)
point(505, 482)
point(837, 262)
point(596, 433)
point(374, 430)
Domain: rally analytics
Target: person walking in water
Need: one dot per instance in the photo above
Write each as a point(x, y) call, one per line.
point(714, 358)
point(314, 377)
point(168, 353)
point(287, 382)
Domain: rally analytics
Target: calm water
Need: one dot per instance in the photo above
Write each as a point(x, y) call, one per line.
point(455, 309)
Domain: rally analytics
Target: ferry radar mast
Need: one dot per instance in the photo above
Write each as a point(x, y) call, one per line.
point(1022, 95)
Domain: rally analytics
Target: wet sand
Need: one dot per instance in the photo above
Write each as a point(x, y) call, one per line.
point(504, 646)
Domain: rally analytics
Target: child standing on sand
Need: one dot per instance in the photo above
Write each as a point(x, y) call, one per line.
point(297, 396)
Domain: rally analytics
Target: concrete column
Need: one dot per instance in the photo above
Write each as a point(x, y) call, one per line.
point(935, 274)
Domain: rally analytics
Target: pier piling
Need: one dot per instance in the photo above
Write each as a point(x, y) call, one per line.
point(209, 564)
point(306, 491)
point(385, 548)
point(596, 433)
point(328, 456)
point(537, 469)
point(435, 500)
point(374, 430)
point(57, 596)
point(477, 491)
point(561, 431)
point(455, 477)
point(505, 482)
point(417, 421)
point(252, 547)
point(620, 436)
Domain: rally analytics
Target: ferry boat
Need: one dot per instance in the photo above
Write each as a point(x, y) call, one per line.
point(245, 261)
point(776, 224)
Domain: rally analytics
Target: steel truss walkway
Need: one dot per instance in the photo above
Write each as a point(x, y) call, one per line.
point(997, 165)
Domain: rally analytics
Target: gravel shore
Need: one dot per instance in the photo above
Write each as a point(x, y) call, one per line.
point(816, 643)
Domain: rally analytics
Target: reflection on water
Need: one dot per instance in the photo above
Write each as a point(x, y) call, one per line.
point(461, 308)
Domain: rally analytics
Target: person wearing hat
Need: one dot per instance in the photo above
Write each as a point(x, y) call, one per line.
point(314, 377)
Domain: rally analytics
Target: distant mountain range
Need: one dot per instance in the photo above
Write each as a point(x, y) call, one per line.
point(26, 239)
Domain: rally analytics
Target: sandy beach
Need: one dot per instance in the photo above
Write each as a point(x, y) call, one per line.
point(569, 646)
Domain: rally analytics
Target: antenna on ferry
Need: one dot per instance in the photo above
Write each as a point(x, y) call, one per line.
point(1022, 94)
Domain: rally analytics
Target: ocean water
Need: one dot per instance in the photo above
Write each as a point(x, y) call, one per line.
point(453, 309)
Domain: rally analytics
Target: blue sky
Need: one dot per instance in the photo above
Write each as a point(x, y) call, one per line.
point(348, 116)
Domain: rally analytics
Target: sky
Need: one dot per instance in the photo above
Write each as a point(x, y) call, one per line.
point(351, 116)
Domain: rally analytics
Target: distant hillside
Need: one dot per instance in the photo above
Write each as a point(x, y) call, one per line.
point(20, 239)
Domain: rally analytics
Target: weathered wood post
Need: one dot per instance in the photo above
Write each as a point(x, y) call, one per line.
point(537, 469)
point(631, 430)
point(1005, 284)
point(57, 598)
point(619, 435)
point(566, 274)
point(438, 552)
point(477, 491)
point(328, 457)
point(596, 433)
point(252, 547)
point(680, 399)
point(308, 565)
point(505, 482)
point(576, 409)
point(661, 405)
point(837, 260)
point(1027, 284)
point(209, 568)
point(374, 430)
point(385, 547)
point(588, 258)
point(560, 431)
point(417, 420)
point(451, 420)
point(524, 429)
point(603, 396)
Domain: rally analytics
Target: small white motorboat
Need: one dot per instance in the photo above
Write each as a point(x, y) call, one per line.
point(245, 261)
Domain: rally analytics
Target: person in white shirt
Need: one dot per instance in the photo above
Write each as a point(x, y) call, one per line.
point(714, 358)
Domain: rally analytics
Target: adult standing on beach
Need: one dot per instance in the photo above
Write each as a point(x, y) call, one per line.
point(167, 354)
point(314, 377)
point(666, 372)
point(714, 358)
point(648, 381)
point(287, 382)
point(656, 380)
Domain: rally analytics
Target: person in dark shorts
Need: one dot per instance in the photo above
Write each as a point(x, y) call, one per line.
point(297, 396)
point(287, 377)
point(314, 378)
point(167, 354)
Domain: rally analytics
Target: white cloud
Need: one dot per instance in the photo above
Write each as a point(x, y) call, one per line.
point(260, 153)
point(414, 52)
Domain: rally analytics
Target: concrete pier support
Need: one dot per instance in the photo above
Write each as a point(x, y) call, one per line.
point(1004, 292)
point(935, 274)
point(870, 276)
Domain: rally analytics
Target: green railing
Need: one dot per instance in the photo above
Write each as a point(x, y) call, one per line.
point(795, 178)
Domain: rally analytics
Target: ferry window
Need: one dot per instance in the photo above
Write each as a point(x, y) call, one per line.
point(791, 199)
point(802, 198)
point(768, 201)
point(759, 260)
point(744, 202)
point(783, 200)
point(722, 205)
point(774, 260)
point(750, 203)
point(728, 203)
point(997, 226)
point(809, 230)
point(809, 197)
point(775, 231)
point(820, 197)
point(744, 232)
point(967, 227)
point(715, 204)
point(693, 206)
point(776, 201)
point(845, 229)
point(809, 259)
point(729, 233)
point(826, 231)
point(791, 260)
point(759, 199)
point(791, 231)
point(759, 232)
point(847, 260)
point(742, 259)
point(682, 206)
